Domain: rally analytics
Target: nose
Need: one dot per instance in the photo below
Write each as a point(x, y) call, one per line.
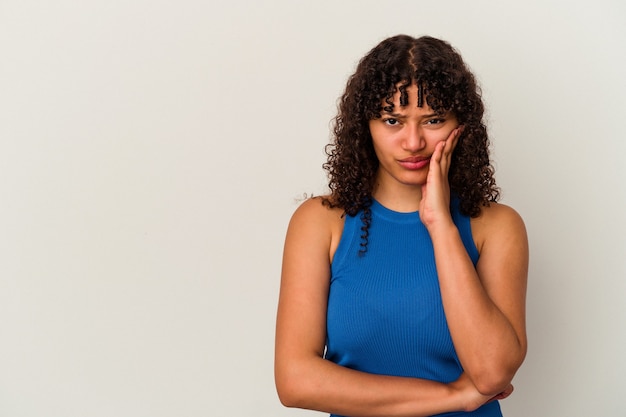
point(413, 140)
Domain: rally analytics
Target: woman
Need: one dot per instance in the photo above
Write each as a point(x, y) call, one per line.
point(403, 290)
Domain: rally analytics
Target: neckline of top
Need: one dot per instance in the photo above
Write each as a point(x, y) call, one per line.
point(388, 213)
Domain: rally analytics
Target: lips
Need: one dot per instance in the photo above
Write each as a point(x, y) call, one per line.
point(415, 159)
point(414, 162)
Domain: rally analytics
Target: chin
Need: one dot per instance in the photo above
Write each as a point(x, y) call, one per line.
point(415, 180)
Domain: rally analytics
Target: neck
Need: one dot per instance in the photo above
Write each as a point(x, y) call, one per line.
point(403, 199)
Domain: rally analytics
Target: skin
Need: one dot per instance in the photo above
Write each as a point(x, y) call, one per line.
point(484, 306)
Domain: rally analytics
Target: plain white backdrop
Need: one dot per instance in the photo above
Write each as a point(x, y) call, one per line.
point(152, 152)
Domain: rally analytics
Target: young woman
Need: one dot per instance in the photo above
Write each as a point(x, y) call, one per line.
point(403, 290)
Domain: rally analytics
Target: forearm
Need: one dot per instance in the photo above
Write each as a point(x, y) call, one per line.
point(485, 340)
point(321, 385)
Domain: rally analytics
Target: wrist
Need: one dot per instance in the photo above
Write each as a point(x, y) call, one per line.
point(441, 227)
point(457, 396)
point(464, 395)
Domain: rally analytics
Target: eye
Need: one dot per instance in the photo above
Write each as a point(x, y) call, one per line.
point(435, 121)
point(390, 121)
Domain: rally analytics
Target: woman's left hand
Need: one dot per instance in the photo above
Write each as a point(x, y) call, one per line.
point(435, 204)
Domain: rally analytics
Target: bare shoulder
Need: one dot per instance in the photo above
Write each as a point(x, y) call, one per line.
point(500, 237)
point(316, 222)
point(498, 221)
point(315, 212)
point(305, 282)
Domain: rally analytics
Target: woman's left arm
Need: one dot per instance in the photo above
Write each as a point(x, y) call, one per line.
point(485, 305)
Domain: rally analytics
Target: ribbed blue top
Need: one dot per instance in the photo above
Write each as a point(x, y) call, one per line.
point(385, 314)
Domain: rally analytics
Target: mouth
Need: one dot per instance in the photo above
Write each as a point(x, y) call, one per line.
point(415, 159)
point(414, 162)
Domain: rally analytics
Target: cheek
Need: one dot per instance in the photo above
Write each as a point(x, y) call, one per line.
point(383, 144)
point(433, 137)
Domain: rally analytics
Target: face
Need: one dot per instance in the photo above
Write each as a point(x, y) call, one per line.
point(405, 139)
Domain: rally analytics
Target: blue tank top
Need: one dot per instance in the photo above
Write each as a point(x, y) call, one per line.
point(385, 314)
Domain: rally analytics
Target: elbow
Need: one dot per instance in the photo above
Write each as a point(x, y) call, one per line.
point(291, 392)
point(491, 382)
point(287, 395)
point(492, 385)
point(293, 396)
point(297, 381)
point(496, 378)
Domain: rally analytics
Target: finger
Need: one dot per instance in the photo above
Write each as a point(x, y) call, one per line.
point(439, 156)
point(435, 158)
point(434, 168)
point(446, 153)
point(451, 143)
point(504, 394)
point(455, 132)
point(454, 137)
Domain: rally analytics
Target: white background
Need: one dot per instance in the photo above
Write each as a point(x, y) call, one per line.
point(152, 152)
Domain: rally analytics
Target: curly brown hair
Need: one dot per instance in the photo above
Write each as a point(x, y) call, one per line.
point(447, 84)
